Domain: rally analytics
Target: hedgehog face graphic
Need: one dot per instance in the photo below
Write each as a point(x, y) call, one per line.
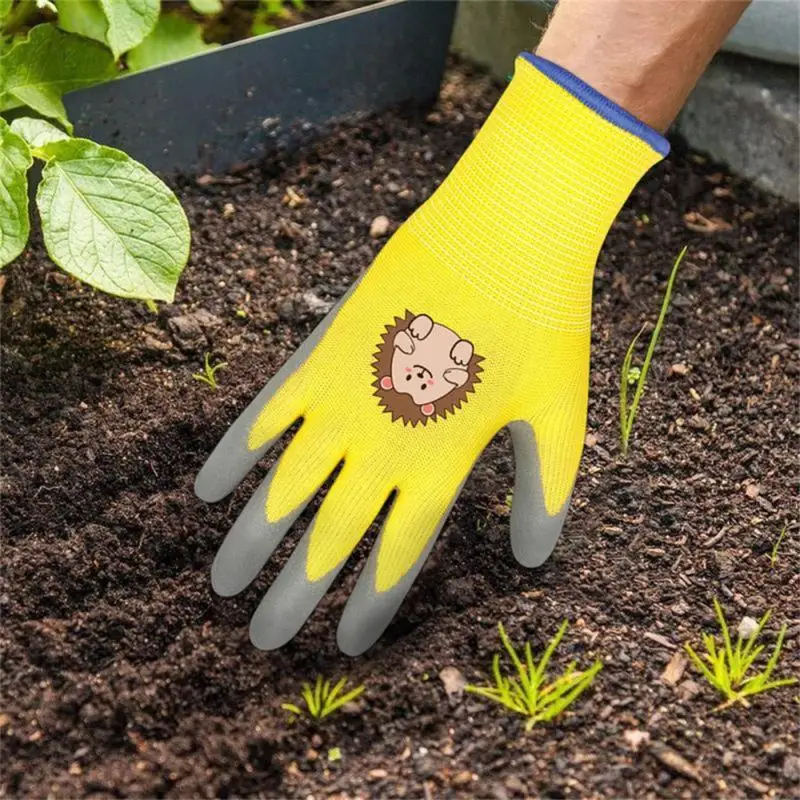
point(423, 369)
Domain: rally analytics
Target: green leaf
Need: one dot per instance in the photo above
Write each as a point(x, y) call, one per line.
point(39, 70)
point(129, 22)
point(261, 24)
point(274, 8)
point(109, 221)
point(37, 132)
point(15, 159)
point(207, 7)
point(346, 698)
point(84, 17)
point(5, 9)
point(335, 754)
point(173, 39)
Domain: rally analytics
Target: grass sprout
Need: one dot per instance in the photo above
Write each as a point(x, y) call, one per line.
point(726, 668)
point(773, 556)
point(528, 693)
point(636, 376)
point(209, 373)
point(321, 699)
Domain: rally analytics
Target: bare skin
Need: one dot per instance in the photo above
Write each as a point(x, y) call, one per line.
point(645, 55)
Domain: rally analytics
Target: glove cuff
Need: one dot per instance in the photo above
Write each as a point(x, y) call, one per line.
point(599, 103)
point(523, 214)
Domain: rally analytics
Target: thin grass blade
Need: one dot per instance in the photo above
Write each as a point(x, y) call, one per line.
point(776, 653)
point(559, 703)
point(624, 425)
point(700, 664)
point(512, 653)
point(334, 693)
point(554, 642)
point(654, 340)
point(343, 700)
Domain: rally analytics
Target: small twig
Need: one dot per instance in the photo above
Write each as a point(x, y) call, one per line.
point(716, 537)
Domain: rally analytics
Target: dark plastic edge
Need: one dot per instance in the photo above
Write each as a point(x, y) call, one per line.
point(232, 105)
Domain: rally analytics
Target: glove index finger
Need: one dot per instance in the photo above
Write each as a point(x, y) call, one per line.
point(254, 432)
point(248, 439)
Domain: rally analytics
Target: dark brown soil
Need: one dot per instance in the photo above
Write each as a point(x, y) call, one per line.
point(124, 676)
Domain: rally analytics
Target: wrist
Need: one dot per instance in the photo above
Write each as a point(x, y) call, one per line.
point(645, 56)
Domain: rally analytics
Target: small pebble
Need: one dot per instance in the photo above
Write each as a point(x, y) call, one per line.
point(791, 769)
point(378, 774)
point(379, 227)
point(747, 627)
point(463, 778)
point(515, 785)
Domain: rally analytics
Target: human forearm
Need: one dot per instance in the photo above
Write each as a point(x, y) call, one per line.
point(645, 55)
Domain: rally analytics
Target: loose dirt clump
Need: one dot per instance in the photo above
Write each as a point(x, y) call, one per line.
point(124, 676)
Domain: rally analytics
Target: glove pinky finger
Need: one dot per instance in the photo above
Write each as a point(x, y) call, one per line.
point(545, 472)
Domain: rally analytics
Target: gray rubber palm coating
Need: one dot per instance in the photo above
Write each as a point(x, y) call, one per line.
point(292, 598)
point(249, 543)
point(231, 459)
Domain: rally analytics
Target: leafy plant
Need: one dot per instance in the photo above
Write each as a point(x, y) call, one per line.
point(209, 373)
point(727, 667)
point(635, 376)
point(773, 556)
point(322, 700)
point(106, 219)
point(173, 38)
point(528, 693)
point(271, 11)
point(206, 7)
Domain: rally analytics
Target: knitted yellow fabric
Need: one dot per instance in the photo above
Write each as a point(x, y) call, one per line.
point(483, 295)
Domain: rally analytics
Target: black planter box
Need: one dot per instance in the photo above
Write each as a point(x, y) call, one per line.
point(233, 104)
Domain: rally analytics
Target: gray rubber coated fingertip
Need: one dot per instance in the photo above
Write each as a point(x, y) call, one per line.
point(208, 489)
point(534, 536)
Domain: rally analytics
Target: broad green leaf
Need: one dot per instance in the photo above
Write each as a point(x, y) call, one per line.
point(109, 221)
point(15, 159)
point(50, 62)
point(261, 24)
point(207, 7)
point(37, 132)
point(274, 8)
point(5, 8)
point(173, 39)
point(84, 17)
point(129, 22)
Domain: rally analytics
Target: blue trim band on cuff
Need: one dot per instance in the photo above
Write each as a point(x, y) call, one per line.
point(599, 103)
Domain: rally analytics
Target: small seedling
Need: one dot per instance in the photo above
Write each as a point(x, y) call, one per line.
point(773, 556)
point(209, 373)
point(727, 668)
point(334, 754)
point(322, 700)
point(635, 376)
point(528, 693)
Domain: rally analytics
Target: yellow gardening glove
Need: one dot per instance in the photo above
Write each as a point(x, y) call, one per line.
point(475, 316)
